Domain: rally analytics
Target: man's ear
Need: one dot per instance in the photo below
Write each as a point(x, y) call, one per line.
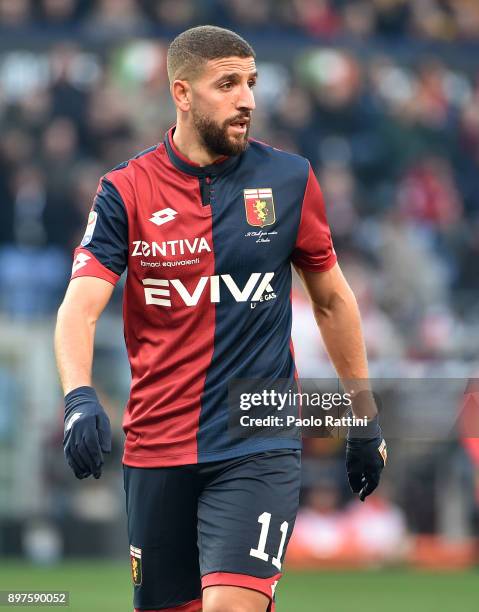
point(181, 94)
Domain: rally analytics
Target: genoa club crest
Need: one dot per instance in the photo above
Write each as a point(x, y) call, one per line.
point(135, 560)
point(259, 206)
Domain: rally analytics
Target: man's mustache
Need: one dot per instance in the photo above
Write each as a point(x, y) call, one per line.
point(243, 118)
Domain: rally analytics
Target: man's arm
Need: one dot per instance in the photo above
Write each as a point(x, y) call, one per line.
point(85, 300)
point(337, 315)
point(87, 432)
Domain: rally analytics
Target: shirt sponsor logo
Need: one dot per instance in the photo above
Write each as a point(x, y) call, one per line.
point(158, 291)
point(266, 297)
point(170, 247)
point(90, 228)
point(259, 206)
point(163, 216)
point(169, 264)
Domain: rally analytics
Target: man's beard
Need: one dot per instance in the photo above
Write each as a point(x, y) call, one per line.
point(215, 138)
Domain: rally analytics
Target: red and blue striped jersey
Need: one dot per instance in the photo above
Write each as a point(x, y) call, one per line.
point(207, 299)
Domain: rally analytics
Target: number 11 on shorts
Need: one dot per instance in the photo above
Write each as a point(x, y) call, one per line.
point(265, 519)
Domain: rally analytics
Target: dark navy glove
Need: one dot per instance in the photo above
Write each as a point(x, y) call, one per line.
point(365, 458)
point(87, 433)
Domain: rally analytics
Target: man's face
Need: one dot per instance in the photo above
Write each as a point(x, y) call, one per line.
point(222, 104)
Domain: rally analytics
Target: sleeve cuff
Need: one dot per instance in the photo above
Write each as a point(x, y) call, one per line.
point(86, 264)
point(320, 266)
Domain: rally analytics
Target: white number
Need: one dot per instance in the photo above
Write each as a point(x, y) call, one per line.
point(265, 520)
point(276, 561)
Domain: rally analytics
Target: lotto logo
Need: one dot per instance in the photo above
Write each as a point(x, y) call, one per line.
point(163, 216)
point(80, 262)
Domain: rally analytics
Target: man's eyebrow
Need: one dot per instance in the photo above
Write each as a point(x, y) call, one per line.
point(234, 76)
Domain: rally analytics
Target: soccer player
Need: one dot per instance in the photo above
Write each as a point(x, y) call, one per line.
point(208, 224)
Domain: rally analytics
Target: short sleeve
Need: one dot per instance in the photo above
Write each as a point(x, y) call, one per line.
point(103, 251)
point(313, 249)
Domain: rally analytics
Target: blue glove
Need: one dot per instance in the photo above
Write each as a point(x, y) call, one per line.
point(365, 458)
point(87, 433)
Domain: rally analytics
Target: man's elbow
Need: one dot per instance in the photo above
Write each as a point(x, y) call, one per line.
point(335, 302)
point(69, 310)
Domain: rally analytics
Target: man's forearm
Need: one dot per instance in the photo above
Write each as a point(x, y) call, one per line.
point(337, 314)
point(74, 336)
point(340, 325)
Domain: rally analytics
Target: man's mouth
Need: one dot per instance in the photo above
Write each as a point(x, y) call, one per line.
point(240, 125)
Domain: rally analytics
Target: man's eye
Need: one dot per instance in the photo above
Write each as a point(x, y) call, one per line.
point(226, 86)
point(252, 84)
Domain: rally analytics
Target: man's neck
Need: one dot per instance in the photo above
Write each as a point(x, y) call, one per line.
point(186, 141)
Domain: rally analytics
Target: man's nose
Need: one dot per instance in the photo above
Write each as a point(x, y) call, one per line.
point(246, 99)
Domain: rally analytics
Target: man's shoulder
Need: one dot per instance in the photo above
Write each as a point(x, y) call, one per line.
point(292, 162)
point(127, 168)
point(130, 175)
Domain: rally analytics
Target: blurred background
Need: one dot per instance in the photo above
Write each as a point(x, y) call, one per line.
point(383, 97)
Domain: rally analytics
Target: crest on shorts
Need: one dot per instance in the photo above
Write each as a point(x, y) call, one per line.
point(135, 560)
point(259, 206)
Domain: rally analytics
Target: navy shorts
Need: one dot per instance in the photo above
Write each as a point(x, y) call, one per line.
point(219, 523)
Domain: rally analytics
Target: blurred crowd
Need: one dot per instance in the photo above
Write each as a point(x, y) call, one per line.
point(395, 146)
point(445, 20)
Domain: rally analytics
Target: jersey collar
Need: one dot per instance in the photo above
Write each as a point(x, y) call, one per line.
point(186, 165)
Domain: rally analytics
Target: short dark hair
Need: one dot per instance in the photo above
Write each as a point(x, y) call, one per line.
point(190, 50)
